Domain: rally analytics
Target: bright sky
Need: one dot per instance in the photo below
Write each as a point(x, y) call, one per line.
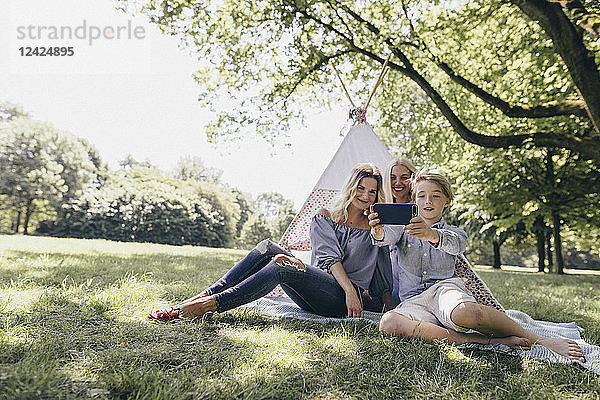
point(135, 94)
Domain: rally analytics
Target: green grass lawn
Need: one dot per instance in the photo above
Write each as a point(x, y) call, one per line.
point(73, 325)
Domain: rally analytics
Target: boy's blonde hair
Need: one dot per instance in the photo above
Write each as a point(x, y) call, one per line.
point(435, 177)
point(387, 180)
point(339, 211)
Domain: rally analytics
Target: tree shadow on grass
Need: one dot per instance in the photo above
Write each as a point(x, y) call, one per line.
point(63, 348)
point(51, 269)
point(551, 297)
point(75, 350)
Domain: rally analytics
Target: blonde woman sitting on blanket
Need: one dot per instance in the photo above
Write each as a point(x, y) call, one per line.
point(345, 266)
point(435, 304)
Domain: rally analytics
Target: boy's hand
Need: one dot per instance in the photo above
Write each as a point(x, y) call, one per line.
point(419, 229)
point(376, 227)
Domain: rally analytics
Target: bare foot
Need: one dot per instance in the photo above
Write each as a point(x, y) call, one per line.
point(198, 308)
point(564, 347)
point(514, 342)
point(202, 294)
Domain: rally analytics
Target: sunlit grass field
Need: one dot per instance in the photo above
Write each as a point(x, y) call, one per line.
point(73, 325)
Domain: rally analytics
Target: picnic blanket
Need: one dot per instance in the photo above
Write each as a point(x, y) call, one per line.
point(283, 306)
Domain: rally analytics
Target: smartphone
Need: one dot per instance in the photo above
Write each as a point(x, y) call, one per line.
point(395, 214)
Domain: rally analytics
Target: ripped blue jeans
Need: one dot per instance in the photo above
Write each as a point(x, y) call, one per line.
point(256, 275)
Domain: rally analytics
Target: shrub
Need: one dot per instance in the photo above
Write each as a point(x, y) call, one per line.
point(142, 205)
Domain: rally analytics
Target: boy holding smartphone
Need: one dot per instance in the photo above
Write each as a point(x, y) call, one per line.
point(435, 304)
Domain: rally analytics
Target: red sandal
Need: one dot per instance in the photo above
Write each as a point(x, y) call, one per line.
point(165, 314)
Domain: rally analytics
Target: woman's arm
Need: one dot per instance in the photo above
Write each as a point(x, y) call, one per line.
point(328, 253)
point(327, 249)
point(353, 303)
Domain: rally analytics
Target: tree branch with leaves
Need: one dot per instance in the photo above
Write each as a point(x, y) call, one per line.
point(274, 55)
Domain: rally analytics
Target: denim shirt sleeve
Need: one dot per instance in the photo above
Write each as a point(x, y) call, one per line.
point(326, 246)
point(391, 235)
point(453, 240)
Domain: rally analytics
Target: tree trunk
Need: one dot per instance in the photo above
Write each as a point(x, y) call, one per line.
point(18, 223)
point(541, 250)
point(553, 260)
point(549, 255)
point(539, 229)
point(28, 212)
point(558, 256)
point(497, 261)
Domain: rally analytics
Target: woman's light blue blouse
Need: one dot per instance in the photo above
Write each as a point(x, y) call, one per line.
point(333, 242)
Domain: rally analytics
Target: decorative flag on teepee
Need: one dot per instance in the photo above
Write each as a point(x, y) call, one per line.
point(361, 145)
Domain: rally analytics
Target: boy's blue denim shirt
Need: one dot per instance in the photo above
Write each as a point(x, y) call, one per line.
point(418, 264)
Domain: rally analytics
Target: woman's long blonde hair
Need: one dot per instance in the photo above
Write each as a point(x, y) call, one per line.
point(339, 211)
point(387, 180)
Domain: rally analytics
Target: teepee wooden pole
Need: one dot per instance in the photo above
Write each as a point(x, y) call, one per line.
point(379, 80)
point(342, 82)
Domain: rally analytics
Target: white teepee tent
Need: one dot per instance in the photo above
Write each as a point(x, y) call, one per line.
point(361, 145)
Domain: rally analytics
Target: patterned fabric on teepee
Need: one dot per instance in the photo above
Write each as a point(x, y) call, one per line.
point(473, 282)
point(297, 238)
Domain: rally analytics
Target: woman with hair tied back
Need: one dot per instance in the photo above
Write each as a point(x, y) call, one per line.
point(346, 271)
point(396, 181)
point(396, 189)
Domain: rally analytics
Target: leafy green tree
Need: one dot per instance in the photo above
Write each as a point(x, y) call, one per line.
point(266, 217)
point(271, 56)
point(246, 206)
point(254, 230)
point(41, 168)
point(510, 194)
point(277, 210)
point(129, 162)
point(141, 204)
point(10, 111)
point(285, 216)
point(269, 204)
point(192, 167)
point(225, 210)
